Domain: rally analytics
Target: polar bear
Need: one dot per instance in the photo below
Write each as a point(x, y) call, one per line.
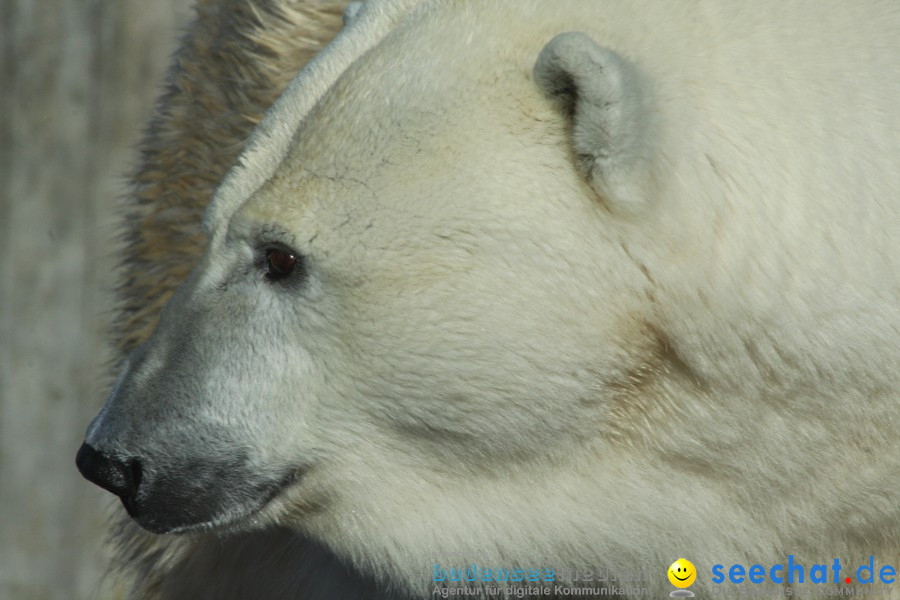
point(537, 286)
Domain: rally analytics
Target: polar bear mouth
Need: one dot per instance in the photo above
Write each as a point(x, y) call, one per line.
point(231, 511)
point(234, 520)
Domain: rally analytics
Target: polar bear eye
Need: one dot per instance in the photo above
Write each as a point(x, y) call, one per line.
point(279, 263)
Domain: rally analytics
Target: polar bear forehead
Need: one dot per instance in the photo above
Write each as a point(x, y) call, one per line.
point(389, 123)
point(391, 99)
point(269, 143)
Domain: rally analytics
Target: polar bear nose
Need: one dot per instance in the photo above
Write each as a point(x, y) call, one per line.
point(120, 478)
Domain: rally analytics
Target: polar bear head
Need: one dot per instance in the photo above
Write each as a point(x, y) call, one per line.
point(481, 297)
point(398, 283)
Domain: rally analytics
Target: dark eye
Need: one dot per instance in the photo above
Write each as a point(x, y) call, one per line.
point(279, 263)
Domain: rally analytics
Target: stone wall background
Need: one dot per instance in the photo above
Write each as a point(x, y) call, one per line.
point(78, 79)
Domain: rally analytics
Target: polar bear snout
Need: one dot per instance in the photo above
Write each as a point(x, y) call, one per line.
point(160, 444)
point(190, 493)
point(189, 438)
point(122, 478)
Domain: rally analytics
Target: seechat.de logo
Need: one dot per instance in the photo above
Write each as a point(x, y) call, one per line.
point(795, 572)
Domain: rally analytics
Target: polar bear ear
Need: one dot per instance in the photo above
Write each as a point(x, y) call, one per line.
point(595, 88)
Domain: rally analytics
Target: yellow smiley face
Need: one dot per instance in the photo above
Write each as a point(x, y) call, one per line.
point(682, 573)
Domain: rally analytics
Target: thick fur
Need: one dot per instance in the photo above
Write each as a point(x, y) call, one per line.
point(484, 357)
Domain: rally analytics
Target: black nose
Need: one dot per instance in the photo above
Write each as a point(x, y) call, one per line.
point(120, 478)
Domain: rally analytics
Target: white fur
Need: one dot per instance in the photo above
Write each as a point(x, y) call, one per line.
point(266, 148)
point(484, 361)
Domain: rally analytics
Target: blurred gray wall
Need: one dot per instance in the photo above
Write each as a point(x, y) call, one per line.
point(77, 83)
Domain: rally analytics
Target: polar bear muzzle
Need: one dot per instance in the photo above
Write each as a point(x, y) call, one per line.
point(178, 498)
point(167, 442)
